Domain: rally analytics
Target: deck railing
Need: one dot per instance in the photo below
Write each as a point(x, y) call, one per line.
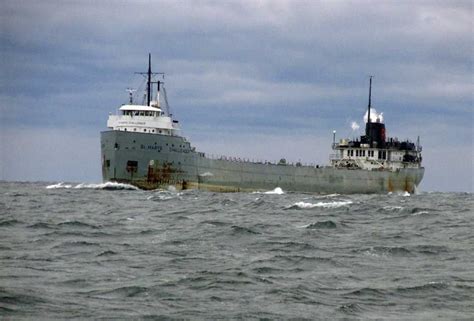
point(258, 161)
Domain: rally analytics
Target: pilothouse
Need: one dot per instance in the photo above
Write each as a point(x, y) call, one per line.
point(149, 118)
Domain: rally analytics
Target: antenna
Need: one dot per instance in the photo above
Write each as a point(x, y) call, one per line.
point(130, 94)
point(148, 83)
point(370, 97)
point(165, 97)
point(149, 74)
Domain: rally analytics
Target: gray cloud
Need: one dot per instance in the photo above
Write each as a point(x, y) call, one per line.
point(272, 68)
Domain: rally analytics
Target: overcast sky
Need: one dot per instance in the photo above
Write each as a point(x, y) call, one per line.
point(254, 79)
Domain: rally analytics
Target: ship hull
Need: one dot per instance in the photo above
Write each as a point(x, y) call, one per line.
point(151, 161)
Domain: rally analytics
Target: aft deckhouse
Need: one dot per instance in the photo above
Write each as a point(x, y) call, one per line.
point(373, 151)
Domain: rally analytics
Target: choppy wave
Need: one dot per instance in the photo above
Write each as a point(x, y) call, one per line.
point(320, 224)
point(384, 251)
point(9, 222)
point(76, 224)
point(305, 205)
point(104, 186)
point(217, 256)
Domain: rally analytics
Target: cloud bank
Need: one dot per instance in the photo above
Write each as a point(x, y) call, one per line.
point(242, 71)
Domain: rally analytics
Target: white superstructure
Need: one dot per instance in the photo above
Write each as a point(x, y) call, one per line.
point(143, 119)
point(149, 118)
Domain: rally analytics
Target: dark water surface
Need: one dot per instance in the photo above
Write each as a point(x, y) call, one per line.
point(103, 252)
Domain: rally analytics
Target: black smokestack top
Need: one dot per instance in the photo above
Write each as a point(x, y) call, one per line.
point(374, 132)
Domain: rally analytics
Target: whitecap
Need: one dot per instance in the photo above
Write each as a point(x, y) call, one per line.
point(421, 213)
point(335, 204)
point(332, 195)
point(276, 191)
point(392, 208)
point(107, 186)
point(172, 189)
point(399, 193)
point(58, 185)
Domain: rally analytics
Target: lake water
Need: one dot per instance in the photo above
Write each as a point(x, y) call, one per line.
point(109, 251)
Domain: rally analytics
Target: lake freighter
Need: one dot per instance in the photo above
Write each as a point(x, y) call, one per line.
point(143, 147)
